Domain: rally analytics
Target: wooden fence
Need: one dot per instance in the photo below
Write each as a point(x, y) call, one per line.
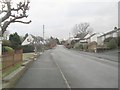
point(11, 59)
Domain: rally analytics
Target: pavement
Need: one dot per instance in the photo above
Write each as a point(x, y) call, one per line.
point(63, 68)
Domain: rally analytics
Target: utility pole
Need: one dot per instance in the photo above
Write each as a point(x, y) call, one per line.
point(43, 37)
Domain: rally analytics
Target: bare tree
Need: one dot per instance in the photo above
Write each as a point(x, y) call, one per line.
point(6, 34)
point(10, 13)
point(81, 30)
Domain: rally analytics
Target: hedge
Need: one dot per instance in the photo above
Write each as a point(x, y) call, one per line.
point(28, 48)
point(7, 49)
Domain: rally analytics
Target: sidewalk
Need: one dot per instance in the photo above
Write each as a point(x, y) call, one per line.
point(43, 73)
point(110, 55)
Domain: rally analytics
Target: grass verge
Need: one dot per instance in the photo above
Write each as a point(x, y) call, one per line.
point(11, 69)
point(27, 55)
point(16, 66)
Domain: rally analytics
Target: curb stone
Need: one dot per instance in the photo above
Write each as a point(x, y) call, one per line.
point(10, 80)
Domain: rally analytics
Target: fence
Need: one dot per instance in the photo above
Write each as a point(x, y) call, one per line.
point(11, 59)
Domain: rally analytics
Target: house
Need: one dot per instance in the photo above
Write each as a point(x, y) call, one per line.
point(113, 33)
point(71, 42)
point(91, 42)
point(91, 38)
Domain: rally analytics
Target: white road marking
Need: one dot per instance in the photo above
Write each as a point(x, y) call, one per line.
point(68, 86)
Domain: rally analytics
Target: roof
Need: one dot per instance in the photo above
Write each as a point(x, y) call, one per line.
point(89, 36)
point(109, 32)
point(83, 41)
point(74, 39)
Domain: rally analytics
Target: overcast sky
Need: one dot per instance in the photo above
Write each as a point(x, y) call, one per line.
point(60, 16)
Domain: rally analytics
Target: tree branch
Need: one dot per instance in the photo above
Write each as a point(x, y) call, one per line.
point(7, 20)
point(8, 12)
point(20, 5)
point(23, 22)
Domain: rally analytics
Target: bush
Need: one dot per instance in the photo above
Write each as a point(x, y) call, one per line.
point(85, 47)
point(112, 44)
point(78, 46)
point(6, 43)
point(7, 49)
point(108, 39)
point(15, 41)
point(81, 47)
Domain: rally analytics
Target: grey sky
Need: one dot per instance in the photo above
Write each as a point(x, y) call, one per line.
point(59, 17)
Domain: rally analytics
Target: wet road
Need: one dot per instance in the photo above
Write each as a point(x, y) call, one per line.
point(63, 68)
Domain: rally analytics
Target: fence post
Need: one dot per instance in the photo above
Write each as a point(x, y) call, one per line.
point(13, 58)
point(21, 55)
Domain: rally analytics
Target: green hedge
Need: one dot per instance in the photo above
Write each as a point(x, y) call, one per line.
point(107, 39)
point(28, 48)
point(113, 43)
point(6, 42)
point(78, 46)
point(7, 49)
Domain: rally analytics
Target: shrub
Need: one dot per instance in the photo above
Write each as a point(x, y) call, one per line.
point(81, 47)
point(107, 39)
point(85, 47)
point(112, 44)
point(6, 43)
point(78, 46)
point(15, 41)
point(28, 48)
point(7, 49)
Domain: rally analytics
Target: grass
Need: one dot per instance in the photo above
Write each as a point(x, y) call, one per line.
point(11, 69)
point(0, 70)
point(27, 55)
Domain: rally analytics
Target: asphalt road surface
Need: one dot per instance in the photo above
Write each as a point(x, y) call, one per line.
point(63, 68)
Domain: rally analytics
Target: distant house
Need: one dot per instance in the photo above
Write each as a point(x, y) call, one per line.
point(91, 38)
point(71, 41)
point(91, 41)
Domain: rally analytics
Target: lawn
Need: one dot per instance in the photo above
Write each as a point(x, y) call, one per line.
point(27, 55)
point(11, 69)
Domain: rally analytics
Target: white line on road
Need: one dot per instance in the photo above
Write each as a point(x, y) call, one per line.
point(68, 86)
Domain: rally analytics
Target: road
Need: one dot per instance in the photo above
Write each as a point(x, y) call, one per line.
point(63, 68)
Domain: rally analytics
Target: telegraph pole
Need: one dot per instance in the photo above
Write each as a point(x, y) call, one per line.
point(43, 37)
